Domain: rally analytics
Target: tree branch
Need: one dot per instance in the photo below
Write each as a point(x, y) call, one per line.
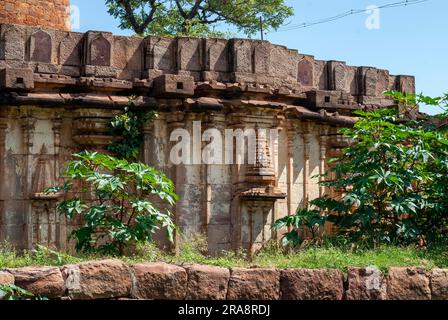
point(130, 17)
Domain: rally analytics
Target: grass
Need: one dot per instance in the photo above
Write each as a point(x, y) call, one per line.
point(324, 256)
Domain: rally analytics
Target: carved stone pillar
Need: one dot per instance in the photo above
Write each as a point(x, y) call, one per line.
point(323, 141)
point(260, 193)
point(176, 120)
point(44, 218)
point(28, 127)
point(306, 135)
point(215, 219)
point(148, 147)
point(60, 220)
point(3, 130)
point(236, 121)
point(274, 136)
point(290, 133)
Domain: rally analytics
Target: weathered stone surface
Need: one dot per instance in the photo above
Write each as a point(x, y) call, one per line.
point(43, 281)
point(41, 47)
point(159, 53)
point(173, 84)
point(254, 284)
point(408, 284)
point(6, 278)
point(311, 284)
point(207, 282)
point(49, 13)
point(128, 57)
point(242, 55)
point(439, 284)
point(98, 280)
point(406, 83)
point(189, 53)
point(217, 55)
point(366, 284)
point(69, 53)
point(159, 281)
point(51, 79)
point(19, 79)
point(12, 42)
point(306, 72)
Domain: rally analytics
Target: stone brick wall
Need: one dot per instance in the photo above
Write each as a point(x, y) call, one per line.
point(39, 13)
point(58, 89)
point(112, 279)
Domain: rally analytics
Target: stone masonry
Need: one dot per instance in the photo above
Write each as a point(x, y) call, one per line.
point(113, 279)
point(39, 13)
point(58, 89)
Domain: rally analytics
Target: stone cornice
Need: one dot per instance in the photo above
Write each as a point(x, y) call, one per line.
point(100, 69)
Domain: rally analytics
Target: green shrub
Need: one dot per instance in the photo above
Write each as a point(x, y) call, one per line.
point(126, 128)
point(393, 181)
point(112, 199)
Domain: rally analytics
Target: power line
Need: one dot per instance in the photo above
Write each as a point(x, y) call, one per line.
point(349, 13)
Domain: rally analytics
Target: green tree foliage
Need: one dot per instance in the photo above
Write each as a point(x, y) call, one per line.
point(393, 178)
point(198, 17)
point(112, 200)
point(126, 127)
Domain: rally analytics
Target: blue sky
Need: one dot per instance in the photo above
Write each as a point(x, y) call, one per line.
point(411, 40)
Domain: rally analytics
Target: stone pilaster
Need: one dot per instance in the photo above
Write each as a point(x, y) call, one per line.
point(3, 183)
point(290, 133)
point(236, 121)
point(175, 121)
point(306, 136)
point(28, 127)
point(323, 141)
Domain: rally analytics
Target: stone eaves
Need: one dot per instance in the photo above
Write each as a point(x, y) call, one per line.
point(49, 67)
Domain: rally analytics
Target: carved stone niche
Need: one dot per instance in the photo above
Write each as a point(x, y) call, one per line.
point(306, 72)
point(44, 216)
point(257, 218)
point(43, 176)
point(45, 224)
point(98, 55)
point(41, 47)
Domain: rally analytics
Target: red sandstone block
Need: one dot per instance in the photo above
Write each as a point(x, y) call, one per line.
point(439, 284)
point(254, 284)
point(207, 282)
point(366, 284)
point(311, 284)
point(43, 281)
point(408, 284)
point(159, 281)
point(98, 280)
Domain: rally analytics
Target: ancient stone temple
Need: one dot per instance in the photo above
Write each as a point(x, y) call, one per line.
point(58, 89)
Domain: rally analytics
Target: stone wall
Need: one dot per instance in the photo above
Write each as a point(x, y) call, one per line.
point(59, 89)
point(112, 279)
point(39, 13)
